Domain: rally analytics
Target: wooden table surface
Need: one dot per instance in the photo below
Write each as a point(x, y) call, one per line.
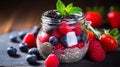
point(25, 14)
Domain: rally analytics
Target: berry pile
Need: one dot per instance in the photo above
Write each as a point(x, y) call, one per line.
point(99, 48)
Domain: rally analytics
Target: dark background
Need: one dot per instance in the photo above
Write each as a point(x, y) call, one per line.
point(25, 14)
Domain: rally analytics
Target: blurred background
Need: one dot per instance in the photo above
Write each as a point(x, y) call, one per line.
point(25, 14)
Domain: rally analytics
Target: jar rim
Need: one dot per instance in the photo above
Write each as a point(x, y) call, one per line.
point(49, 20)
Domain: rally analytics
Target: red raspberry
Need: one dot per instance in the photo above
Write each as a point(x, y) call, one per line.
point(77, 28)
point(95, 51)
point(98, 54)
point(43, 37)
point(80, 45)
point(52, 61)
point(64, 28)
point(93, 44)
point(56, 33)
point(30, 40)
point(59, 46)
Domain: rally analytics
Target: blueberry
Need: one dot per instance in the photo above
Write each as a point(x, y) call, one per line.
point(83, 36)
point(63, 40)
point(22, 35)
point(14, 38)
point(34, 51)
point(35, 30)
point(23, 47)
point(11, 51)
point(31, 58)
point(53, 40)
point(78, 38)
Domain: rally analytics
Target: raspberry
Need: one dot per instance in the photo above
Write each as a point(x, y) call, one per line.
point(77, 29)
point(98, 54)
point(43, 37)
point(95, 51)
point(56, 33)
point(80, 45)
point(52, 61)
point(30, 40)
point(93, 44)
point(64, 28)
point(59, 46)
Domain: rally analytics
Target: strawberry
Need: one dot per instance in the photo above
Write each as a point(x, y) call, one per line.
point(95, 51)
point(43, 37)
point(56, 33)
point(91, 35)
point(95, 16)
point(64, 28)
point(113, 18)
point(108, 41)
point(52, 61)
point(30, 40)
point(98, 54)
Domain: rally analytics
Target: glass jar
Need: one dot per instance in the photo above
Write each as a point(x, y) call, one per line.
point(64, 36)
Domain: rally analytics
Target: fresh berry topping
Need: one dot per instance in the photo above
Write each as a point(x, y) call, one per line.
point(31, 58)
point(53, 14)
point(23, 47)
point(21, 35)
point(78, 38)
point(63, 41)
point(98, 54)
point(52, 61)
point(30, 40)
point(56, 33)
point(83, 36)
point(80, 45)
point(64, 28)
point(34, 51)
point(11, 51)
point(43, 37)
point(35, 30)
point(14, 38)
point(53, 40)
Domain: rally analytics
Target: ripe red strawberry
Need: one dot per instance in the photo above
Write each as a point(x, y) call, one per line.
point(43, 37)
point(80, 45)
point(52, 61)
point(113, 18)
point(98, 54)
point(91, 35)
point(30, 40)
point(95, 17)
point(56, 33)
point(108, 43)
point(64, 28)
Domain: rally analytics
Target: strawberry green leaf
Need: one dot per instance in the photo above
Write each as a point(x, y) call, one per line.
point(115, 33)
point(60, 7)
point(69, 7)
point(75, 10)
